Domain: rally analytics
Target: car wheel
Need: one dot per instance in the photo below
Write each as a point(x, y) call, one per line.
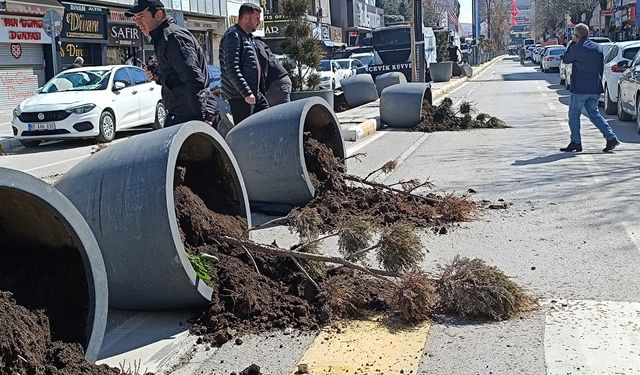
point(30, 143)
point(107, 128)
point(609, 105)
point(622, 115)
point(161, 116)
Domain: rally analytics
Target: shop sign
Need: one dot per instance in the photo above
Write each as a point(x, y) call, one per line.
point(274, 29)
point(124, 35)
point(365, 15)
point(16, 86)
point(19, 29)
point(119, 17)
point(73, 50)
point(84, 22)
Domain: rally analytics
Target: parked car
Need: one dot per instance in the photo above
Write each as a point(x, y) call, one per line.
point(330, 74)
point(353, 65)
point(628, 101)
point(364, 57)
point(89, 102)
point(552, 58)
point(543, 50)
point(566, 68)
point(537, 52)
point(214, 77)
point(620, 51)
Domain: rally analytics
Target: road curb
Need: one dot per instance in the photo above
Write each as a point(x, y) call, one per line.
point(371, 125)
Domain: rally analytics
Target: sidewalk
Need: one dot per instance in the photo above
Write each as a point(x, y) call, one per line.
point(7, 142)
point(355, 128)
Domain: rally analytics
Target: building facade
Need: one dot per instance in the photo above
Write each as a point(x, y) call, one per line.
point(25, 51)
point(357, 18)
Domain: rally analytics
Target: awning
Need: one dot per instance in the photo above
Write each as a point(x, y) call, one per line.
point(34, 7)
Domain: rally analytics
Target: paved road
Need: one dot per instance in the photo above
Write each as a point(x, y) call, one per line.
point(571, 237)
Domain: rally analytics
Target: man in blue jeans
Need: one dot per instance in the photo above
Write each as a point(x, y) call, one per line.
point(586, 87)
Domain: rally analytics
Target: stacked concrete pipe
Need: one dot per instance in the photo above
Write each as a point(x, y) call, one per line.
point(359, 89)
point(125, 192)
point(389, 79)
point(269, 148)
point(401, 104)
point(34, 213)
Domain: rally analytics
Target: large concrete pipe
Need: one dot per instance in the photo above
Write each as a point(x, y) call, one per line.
point(269, 147)
point(126, 194)
point(34, 215)
point(359, 89)
point(389, 79)
point(401, 105)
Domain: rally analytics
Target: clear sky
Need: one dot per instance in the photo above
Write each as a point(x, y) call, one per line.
point(465, 11)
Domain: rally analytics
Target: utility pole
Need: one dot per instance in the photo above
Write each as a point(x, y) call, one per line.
point(418, 63)
point(488, 19)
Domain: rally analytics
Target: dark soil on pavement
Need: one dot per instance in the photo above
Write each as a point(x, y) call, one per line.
point(244, 300)
point(43, 310)
point(337, 201)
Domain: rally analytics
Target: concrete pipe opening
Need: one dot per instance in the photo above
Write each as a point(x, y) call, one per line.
point(270, 149)
point(50, 261)
point(401, 104)
point(359, 89)
point(128, 193)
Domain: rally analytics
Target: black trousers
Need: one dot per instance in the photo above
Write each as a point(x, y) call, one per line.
point(240, 110)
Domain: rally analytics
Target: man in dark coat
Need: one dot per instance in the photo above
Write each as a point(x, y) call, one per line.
point(586, 86)
point(277, 83)
point(181, 69)
point(241, 72)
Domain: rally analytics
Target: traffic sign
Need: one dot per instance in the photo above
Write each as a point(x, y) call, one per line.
point(51, 17)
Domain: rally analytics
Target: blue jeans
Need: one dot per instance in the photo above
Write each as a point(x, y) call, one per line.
point(590, 104)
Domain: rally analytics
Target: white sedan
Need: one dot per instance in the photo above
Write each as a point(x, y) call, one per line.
point(89, 102)
point(552, 58)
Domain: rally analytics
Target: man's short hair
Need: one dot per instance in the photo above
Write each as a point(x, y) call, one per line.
point(154, 10)
point(581, 31)
point(248, 8)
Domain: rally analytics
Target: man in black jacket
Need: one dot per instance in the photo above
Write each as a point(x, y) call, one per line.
point(182, 68)
point(277, 87)
point(241, 73)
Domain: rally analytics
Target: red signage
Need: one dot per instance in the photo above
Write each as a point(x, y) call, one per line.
point(353, 33)
point(22, 29)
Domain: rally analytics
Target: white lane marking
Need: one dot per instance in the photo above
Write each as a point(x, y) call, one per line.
point(354, 148)
point(633, 231)
point(551, 106)
point(592, 337)
point(56, 163)
point(405, 155)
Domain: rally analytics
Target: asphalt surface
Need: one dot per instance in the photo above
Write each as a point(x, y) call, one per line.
point(570, 236)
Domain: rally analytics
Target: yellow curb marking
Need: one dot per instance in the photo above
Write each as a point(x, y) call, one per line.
point(368, 127)
point(366, 347)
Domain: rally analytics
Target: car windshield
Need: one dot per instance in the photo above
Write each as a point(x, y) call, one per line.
point(630, 53)
point(556, 52)
point(365, 60)
point(84, 80)
point(325, 65)
point(344, 64)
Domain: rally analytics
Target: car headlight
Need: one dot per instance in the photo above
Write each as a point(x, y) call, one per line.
point(81, 109)
point(325, 78)
point(17, 112)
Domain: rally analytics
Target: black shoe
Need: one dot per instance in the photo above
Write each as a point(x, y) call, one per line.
point(611, 144)
point(577, 147)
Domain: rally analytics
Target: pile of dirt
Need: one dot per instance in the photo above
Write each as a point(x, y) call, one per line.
point(252, 292)
point(445, 118)
point(336, 201)
point(43, 309)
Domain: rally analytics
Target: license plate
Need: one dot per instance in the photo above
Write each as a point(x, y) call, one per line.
point(42, 126)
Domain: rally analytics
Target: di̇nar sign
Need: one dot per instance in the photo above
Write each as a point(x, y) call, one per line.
point(84, 22)
point(19, 29)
